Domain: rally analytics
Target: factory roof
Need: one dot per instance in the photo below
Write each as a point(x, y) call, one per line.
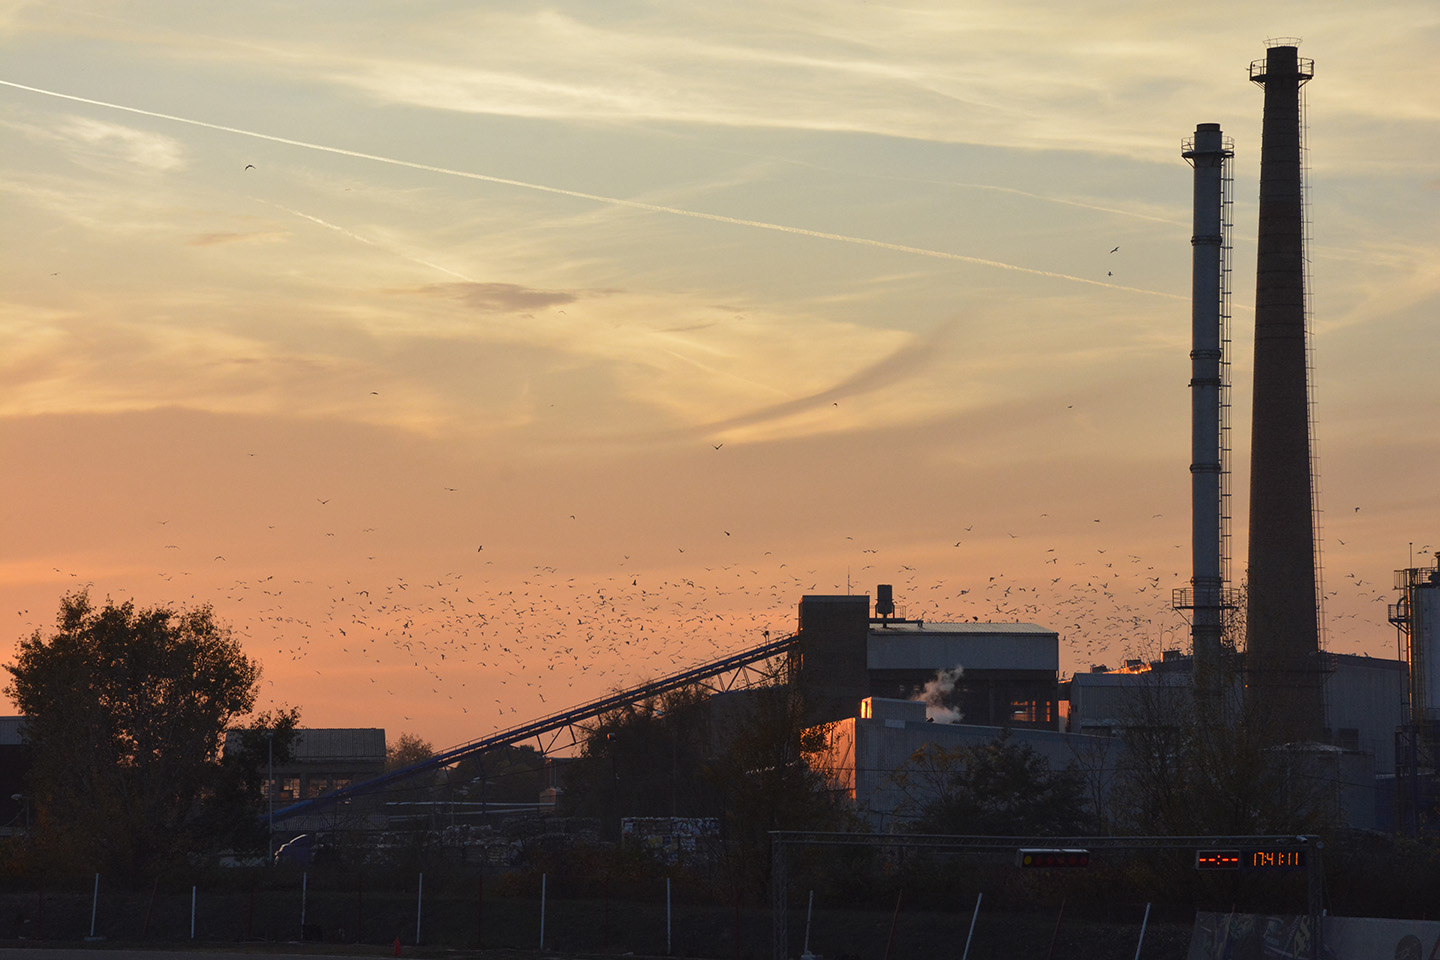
point(336, 743)
point(314, 744)
point(882, 627)
point(11, 731)
point(975, 646)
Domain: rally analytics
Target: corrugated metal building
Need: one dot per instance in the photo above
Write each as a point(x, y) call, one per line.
point(1008, 670)
point(864, 753)
point(328, 758)
point(14, 764)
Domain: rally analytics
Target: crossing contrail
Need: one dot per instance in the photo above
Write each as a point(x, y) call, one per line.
point(365, 240)
point(599, 198)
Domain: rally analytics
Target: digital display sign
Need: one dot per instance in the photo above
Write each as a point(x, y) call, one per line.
point(1051, 857)
point(1275, 859)
point(1279, 858)
point(1217, 859)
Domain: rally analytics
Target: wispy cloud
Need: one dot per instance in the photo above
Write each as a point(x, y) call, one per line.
point(1108, 79)
point(497, 297)
point(610, 200)
point(142, 148)
point(218, 239)
point(886, 371)
point(1081, 76)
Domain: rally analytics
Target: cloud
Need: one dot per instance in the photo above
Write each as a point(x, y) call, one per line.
point(216, 239)
point(886, 371)
point(1107, 79)
point(497, 297)
point(140, 147)
point(608, 200)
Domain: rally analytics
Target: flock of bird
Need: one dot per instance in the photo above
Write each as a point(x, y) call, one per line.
point(482, 646)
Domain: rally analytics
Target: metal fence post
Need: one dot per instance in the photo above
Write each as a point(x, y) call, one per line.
point(779, 895)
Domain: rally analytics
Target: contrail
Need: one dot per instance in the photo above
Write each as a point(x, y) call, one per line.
point(598, 198)
point(365, 240)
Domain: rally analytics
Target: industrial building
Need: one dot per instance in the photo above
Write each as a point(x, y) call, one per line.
point(871, 680)
point(15, 808)
point(864, 751)
point(844, 655)
point(1416, 784)
point(1293, 691)
point(884, 687)
point(1363, 707)
point(324, 759)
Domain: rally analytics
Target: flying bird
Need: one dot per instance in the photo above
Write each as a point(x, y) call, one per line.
point(1114, 249)
point(249, 166)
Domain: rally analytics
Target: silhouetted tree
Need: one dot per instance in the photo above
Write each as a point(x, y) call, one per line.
point(125, 711)
point(406, 749)
point(997, 788)
point(232, 810)
point(513, 774)
point(643, 759)
point(751, 763)
point(1190, 771)
point(767, 775)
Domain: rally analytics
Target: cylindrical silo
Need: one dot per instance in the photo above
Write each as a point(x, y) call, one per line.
point(1418, 617)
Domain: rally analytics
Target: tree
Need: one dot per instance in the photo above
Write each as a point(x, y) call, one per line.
point(125, 710)
point(770, 774)
point(1184, 775)
point(407, 749)
point(510, 774)
point(998, 788)
point(232, 810)
point(748, 759)
point(1192, 768)
point(643, 759)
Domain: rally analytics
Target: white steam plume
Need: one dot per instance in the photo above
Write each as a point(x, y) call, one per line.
point(935, 693)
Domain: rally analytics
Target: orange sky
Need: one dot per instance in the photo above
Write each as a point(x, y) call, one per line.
point(539, 353)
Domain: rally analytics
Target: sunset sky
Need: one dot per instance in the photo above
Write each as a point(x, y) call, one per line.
point(476, 359)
